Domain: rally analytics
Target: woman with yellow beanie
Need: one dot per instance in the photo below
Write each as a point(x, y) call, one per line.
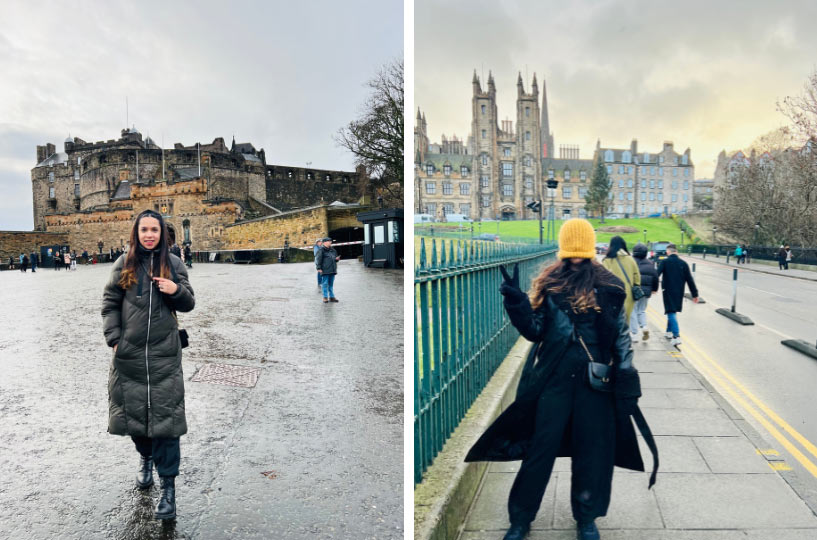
point(578, 387)
point(619, 261)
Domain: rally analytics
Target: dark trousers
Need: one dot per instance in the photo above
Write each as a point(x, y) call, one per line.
point(586, 418)
point(165, 452)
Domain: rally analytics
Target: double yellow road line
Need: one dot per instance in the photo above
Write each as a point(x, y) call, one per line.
point(748, 401)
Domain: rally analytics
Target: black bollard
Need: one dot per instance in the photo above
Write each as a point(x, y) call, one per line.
point(737, 317)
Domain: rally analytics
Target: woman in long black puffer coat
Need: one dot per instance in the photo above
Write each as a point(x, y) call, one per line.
point(146, 384)
point(574, 315)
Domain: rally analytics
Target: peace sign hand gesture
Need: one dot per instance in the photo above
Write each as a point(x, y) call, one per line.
point(510, 287)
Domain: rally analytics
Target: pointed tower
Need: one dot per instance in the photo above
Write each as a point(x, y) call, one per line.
point(527, 171)
point(546, 136)
point(484, 127)
point(420, 139)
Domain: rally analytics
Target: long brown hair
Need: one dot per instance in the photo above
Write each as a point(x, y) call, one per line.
point(128, 276)
point(577, 283)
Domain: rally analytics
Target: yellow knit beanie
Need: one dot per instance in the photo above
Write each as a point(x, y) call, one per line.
point(577, 239)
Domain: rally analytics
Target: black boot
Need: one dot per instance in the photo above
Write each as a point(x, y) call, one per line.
point(167, 503)
point(144, 478)
point(587, 531)
point(517, 532)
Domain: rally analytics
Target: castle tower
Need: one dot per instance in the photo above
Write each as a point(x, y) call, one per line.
point(420, 139)
point(528, 177)
point(484, 126)
point(546, 136)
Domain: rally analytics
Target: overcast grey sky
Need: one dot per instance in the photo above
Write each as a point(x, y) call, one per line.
point(704, 74)
point(282, 75)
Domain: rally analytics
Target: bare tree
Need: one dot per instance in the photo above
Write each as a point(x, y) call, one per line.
point(802, 110)
point(376, 137)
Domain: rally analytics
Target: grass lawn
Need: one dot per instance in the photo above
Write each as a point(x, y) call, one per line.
point(658, 229)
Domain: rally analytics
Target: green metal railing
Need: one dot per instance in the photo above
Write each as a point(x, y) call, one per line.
point(462, 333)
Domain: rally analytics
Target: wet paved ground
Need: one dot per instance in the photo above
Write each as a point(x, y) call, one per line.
point(324, 422)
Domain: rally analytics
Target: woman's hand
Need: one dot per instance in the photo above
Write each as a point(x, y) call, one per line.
point(114, 348)
point(166, 285)
point(510, 287)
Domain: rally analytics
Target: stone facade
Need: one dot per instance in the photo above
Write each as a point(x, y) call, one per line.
point(92, 191)
point(508, 166)
point(299, 228)
point(647, 183)
point(12, 243)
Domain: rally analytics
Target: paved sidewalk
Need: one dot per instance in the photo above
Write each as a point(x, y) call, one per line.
point(713, 483)
point(756, 267)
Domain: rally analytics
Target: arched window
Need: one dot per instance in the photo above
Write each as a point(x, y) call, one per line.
point(626, 157)
point(608, 155)
point(186, 227)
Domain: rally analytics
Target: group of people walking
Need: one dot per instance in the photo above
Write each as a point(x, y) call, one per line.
point(784, 257)
point(741, 253)
point(579, 388)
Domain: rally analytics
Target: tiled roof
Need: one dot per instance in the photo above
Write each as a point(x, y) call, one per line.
point(455, 160)
point(54, 159)
point(122, 191)
point(558, 164)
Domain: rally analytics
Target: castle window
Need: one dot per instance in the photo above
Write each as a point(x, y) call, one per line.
point(484, 181)
point(684, 160)
point(186, 227)
point(484, 134)
point(674, 184)
point(447, 170)
point(643, 183)
point(51, 193)
point(529, 182)
point(609, 169)
point(507, 169)
point(431, 208)
point(686, 184)
point(310, 176)
point(463, 171)
point(527, 135)
point(550, 174)
point(660, 184)
point(626, 157)
point(76, 190)
point(621, 183)
point(582, 192)
point(674, 172)
point(567, 192)
point(660, 159)
point(51, 177)
point(643, 196)
point(289, 174)
point(448, 208)
point(608, 155)
point(465, 209)
point(506, 152)
point(567, 174)
point(486, 201)
point(675, 160)
point(630, 182)
point(431, 188)
point(483, 112)
point(583, 176)
point(328, 178)
point(660, 171)
point(527, 161)
point(507, 190)
point(448, 188)
point(429, 169)
point(76, 175)
point(686, 172)
point(629, 195)
point(484, 159)
point(345, 179)
point(527, 112)
point(465, 188)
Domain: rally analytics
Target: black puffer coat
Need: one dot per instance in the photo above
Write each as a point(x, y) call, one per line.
point(649, 276)
point(551, 330)
point(145, 384)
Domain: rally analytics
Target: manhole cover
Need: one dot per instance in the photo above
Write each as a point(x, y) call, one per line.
point(241, 376)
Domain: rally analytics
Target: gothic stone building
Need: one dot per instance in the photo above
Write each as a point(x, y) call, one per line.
point(504, 167)
point(92, 191)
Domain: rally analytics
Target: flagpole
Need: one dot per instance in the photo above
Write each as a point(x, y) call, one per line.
point(198, 146)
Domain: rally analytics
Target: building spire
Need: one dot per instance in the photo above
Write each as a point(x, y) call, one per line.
point(544, 128)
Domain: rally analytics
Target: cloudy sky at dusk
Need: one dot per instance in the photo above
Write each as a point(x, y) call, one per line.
point(705, 75)
point(282, 75)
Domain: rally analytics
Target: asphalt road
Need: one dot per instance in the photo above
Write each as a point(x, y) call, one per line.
point(754, 363)
point(314, 450)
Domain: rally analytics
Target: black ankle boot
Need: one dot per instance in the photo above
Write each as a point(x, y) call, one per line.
point(144, 478)
point(167, 503)
point(587, 531)
point(517, 532)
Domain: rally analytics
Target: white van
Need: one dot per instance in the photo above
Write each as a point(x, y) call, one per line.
point(457, 218)
point(423, 218)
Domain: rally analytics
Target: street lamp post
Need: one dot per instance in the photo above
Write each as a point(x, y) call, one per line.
point(645, 236)
point(715, 242)
point(552, 184)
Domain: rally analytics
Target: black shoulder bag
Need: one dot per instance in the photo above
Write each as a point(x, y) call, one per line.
point(638, 292)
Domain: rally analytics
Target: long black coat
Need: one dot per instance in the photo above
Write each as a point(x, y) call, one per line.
point(675, 275)
point(147, 364)
point(649, 276)
point(551, 330)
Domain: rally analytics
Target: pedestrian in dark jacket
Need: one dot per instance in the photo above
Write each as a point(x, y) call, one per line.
point(57, 260)
point(781, 259)
point(24, 265)
point(35, 261)
point(188, 256)
point(315, 249)
point(326, 261)
point(146, 383)
point(675, 275)
point(574, 312)
point(174, 248)
point(649, 284)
